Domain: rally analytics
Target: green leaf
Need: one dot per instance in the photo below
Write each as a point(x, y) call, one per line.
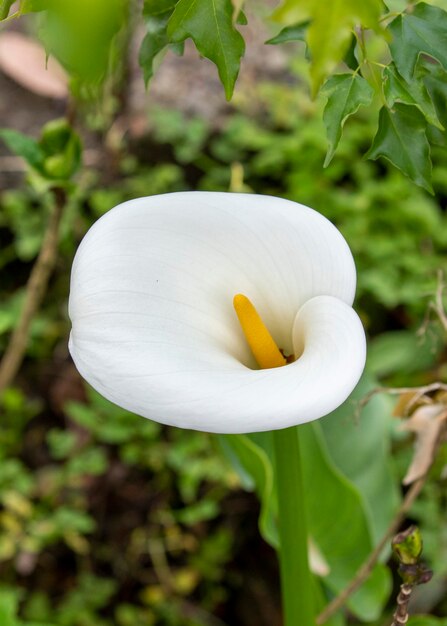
point(23, 146)
point(296, 32)
point(403, 352)
point(338, 619)
point(81, 35)
point(241, 19)
point(426, 620)
point(153, 8)
point(335, 505)
point(330, 32)
point(157, 14)
point(401, 139)
point(350, 56)
point(397, 89)
point(249, 459)
point(155, 40)
point(422, 30)
point(369, 434)
point(435, 80)
point(209, 24)
point(346, 94)
point(62, 149)
point(9, 601)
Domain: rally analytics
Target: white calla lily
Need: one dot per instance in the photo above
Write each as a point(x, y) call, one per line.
point(154, 329)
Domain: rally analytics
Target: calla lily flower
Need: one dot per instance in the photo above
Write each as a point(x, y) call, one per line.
point(153, 324)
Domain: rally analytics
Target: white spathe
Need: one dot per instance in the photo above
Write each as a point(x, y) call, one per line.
point(154, 329)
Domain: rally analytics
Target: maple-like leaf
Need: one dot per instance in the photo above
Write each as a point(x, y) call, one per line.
point(209, 23)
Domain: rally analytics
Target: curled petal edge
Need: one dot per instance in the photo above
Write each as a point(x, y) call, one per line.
point(328, 336)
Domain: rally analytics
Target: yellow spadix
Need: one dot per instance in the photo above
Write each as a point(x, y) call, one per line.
point(262, 344)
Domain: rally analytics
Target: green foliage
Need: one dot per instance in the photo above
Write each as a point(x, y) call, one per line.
point(391, 141)
point(33, 6)
point(84, 46)
point(329, 33)
point(9, 600)
point(210, 24)
point(5, 6)
point(426, 620)
point(403, 352)
point(346, 94)
point(396, 89)
point(398, 83)
point(42, 510)
point(156, 15)
point(388, 57)
point(57, 154)
point(295, 32)
point(420, 31)
point(23, 146)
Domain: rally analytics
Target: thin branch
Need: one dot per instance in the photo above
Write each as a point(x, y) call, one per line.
point(439, 303)
point(418, 393)
point(34, 293)
point(366, 568)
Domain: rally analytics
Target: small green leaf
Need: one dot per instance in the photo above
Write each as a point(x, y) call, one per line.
point(210, 25)
point(401, 139)
point(155, 40)
point(346, 94)
point(154, 8)
point(407, 546)
point(23, 146)
point(157, 14)
point(350, 56)
point(397, 89)
point(62, 150)
point(242, 19)
point(296, 32)
point(422, 30)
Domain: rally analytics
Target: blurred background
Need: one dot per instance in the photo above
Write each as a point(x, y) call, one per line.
point(108, 519)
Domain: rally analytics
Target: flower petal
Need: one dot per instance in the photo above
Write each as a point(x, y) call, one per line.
point(154, 328)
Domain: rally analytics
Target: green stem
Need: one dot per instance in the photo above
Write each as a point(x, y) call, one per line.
point(296, 581)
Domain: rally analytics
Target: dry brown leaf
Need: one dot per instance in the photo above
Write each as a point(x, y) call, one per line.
point(427, 423)
point(441, 397)
point(409, 401)
point(24, 60)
